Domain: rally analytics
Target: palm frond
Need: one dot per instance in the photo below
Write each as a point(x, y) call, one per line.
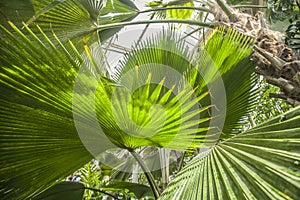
point(39, 140)
point(49, 92)
point(163, 49)
point(164, 57)
point(241, 95)
point(146, 118)
point(68, 19)
point(262, 163)
point(79, 19)
point(31, 70)
point(230, 51)
point(149, 107)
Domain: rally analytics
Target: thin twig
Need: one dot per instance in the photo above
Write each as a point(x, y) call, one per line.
point(190, 33)
point(145, 29)
point(101, 191)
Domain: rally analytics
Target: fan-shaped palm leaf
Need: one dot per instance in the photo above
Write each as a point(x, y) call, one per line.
point(39, 141)
point(230, 52)
point(37, 106)
point(160, 66)
point(79, 18)
point(261, 163)
point(200, 70)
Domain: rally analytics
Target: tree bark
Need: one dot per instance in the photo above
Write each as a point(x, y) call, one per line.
point(274, 60)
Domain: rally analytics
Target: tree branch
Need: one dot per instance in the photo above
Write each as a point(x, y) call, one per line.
point(290, 101)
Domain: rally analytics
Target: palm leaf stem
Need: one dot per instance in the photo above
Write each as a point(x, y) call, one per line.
point(179, 21)
point(175, 8)
point(249, 6)
point(147, 173)
point(225, 7)
point(181, 161)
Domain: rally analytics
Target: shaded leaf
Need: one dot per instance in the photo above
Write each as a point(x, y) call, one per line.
point(78, 19)
point(64, 190)
point(16, 10)
point(139, 190)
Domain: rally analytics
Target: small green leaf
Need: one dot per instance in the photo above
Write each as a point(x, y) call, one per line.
point(64, 190)
point(139, 190)
point(181, 13)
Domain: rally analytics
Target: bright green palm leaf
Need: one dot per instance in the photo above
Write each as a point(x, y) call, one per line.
point(40, 78)
point(261, 163)
point(201, 72)
point(37, 80)
point(133, 120)
point(26, 66)
point(39, 140)
point(237, 71)
point(227, 47)
point(156, 58)
point(163, 49)
point(180, 13)
point(151, 107)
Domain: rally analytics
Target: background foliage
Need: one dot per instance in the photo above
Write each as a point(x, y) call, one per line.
point(255, 157)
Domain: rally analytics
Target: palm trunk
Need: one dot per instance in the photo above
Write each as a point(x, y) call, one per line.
point(274, 60)
point(164, 156)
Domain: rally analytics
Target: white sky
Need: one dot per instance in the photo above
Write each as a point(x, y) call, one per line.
point(129, 35)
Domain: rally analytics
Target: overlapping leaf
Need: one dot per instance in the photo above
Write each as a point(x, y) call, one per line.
point(262, 163)
point(37, 82)
point(148, 118)
point(230, 51)
point(39, 141)
point(79, 18)
point(164, 53)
